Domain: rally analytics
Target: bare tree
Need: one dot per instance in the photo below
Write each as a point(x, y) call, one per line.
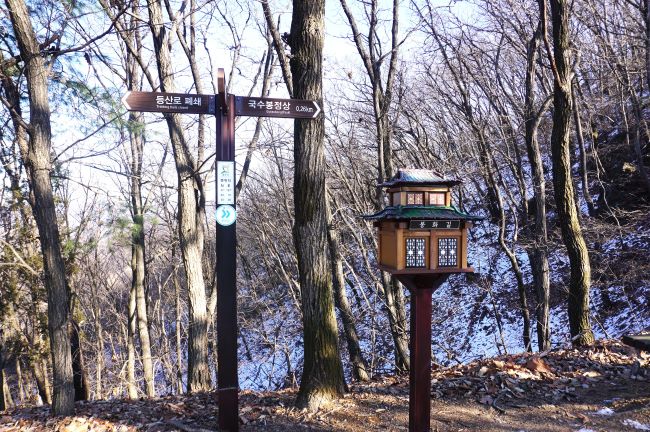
point(580, 280)
point(39, 168)
point(538, 251)
point(191, 209)
point(372, 57)
point(322, 376)
point(138, 269)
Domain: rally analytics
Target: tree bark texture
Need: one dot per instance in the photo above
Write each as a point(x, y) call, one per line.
point(359, 367)
point(177, 332)
point(138, 319)
point(6, 400)
point(646, 21)
point(580, 279)
point(322, 376)
point(138, 250)
point(40, 376)
point(396, 323)
point(131, 384)
point(39, 166)
point(538, 251)
point(81, 390)
point(582, 154)
point(191, 213)
point(22, 393)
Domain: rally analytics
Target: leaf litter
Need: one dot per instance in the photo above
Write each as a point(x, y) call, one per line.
point(605, 387)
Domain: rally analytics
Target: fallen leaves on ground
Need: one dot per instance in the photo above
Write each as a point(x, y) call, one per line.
point(560, 390)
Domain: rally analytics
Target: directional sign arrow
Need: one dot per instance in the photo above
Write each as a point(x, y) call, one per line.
point(226, 215)
point(272, 107)
point(169, 102)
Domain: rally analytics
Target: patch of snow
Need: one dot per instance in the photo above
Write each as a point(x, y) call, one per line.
point(605, 412)
point(636, 425)
point(586, 430)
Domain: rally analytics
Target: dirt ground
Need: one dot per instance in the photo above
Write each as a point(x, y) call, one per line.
point(602, 388)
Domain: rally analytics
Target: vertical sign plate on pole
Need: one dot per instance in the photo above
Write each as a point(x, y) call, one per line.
point(225, 182)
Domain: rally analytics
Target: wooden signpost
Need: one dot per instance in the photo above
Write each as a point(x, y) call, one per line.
point(225, 107)
point(169, 102)
point(271, 107)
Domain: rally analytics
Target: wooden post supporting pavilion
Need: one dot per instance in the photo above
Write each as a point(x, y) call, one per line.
point(422, 288)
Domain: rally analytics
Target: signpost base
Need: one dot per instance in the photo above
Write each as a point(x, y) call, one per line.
point(228, 409)
point(422, 287)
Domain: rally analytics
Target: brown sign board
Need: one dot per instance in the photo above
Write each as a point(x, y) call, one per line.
point(434, 224)
point(169, 102)
point(272, 107)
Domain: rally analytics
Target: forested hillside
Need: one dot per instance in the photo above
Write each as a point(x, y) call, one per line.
point(107, 218)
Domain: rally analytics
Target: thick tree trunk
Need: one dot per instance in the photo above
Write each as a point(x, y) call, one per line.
point(580, 280)
point(322, 376)
point(191, 213)
point(39, 167)
point(538, 250)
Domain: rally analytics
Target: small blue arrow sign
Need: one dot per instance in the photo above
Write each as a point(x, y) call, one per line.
point(226, 215)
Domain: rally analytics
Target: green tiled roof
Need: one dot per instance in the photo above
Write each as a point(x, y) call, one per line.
point(418, 177)
point(421, 212)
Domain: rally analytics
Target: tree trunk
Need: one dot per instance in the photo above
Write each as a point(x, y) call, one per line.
point(401, 337)
point(99, 355)
point(582, 154)
point(580, 280)
point(646, 20)
point(538, 250)
point(396, 324)
point(138, 249)
point(81, 391)
point(359, 367)
point(22, 395)
point(322, 375)
point(179, 358)
point(131, 384)
point(39, 167)
point(191, 213)
point(40, 376)
point(6, 401)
